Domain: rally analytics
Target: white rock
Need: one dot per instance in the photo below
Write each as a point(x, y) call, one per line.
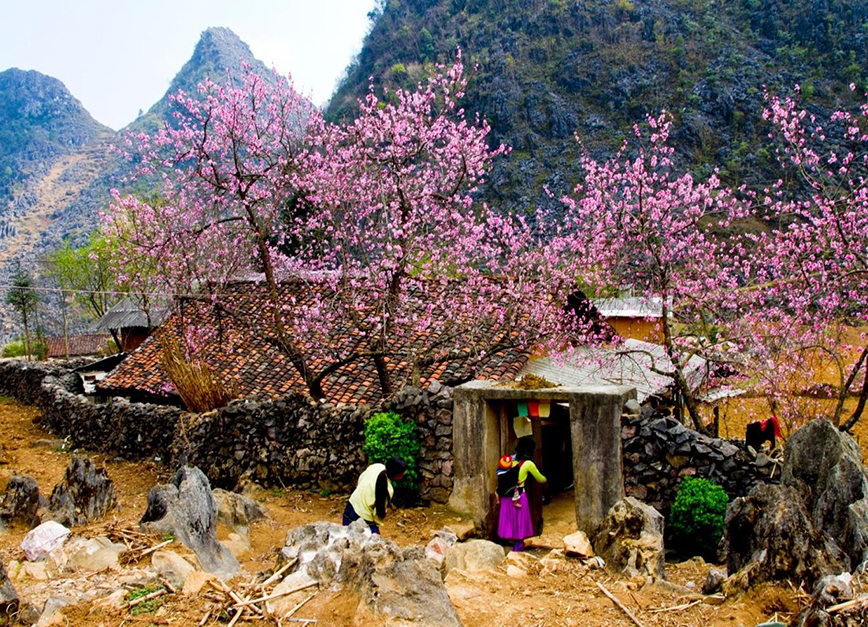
point(578, 545)
point(474, 555)
point(98, 554)
point(514, 572)
point(44, 539)
point(172, 567)
point(33, 570)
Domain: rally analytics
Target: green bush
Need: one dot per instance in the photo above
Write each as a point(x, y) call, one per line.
point(16, 349)
point(697, 517)
point(387, 435)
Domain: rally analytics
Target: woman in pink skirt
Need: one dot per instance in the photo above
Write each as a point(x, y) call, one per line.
point(515, 521)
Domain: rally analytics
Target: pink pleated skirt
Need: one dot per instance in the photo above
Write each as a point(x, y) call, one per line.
point(515, 522)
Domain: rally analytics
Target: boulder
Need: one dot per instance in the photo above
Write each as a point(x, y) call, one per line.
point(171, 567)
point(396, 586)
point(85, 494)
point(578, 545)
point(630, 539)
point(98, 554)
point(474, 555)
point(769, 536)
point(8, 596)
point(187, 509)
point(21, 502)
point(814, 524)
point(47, 537)
point(237, 511)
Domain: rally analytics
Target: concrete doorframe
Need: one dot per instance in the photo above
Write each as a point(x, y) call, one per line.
point(595, 428)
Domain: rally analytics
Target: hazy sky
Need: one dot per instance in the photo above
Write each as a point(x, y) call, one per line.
point(118, 56)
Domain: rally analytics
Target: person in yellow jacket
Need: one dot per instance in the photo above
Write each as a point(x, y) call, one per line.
point(374, 492)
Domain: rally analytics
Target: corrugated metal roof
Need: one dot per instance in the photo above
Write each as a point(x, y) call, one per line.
point(629, 307)
point(630, 363)
point(129, 313)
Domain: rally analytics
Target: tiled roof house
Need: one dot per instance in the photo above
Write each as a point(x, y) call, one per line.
point(241, 353)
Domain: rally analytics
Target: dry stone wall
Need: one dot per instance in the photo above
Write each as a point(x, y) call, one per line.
point(659, 452)
point(290, 441)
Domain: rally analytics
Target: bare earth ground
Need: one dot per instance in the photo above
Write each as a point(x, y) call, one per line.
point(566, 596)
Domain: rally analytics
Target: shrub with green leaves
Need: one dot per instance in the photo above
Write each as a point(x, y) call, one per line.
point(697, 517)
point(388, 435)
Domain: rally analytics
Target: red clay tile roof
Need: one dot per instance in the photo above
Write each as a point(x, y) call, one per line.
point(79, 345)
point(245, 358)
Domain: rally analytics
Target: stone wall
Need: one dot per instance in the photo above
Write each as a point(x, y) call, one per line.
point(431, 410)
point(659, 452)
point(290, 441)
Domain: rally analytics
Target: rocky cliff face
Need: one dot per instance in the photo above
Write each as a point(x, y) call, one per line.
point(56, 163)
point(550, 68)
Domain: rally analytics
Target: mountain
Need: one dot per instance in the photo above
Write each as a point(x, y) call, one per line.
point(219, 51)
point(550, 68)
point(57, 165)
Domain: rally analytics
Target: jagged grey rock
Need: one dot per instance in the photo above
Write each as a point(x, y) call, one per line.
point(21, 502)
point(814, 524)
point(186, 508)
point(8, 596)
point(396, 586)
point(85, 494)
point(238, 511)
point(630, 539)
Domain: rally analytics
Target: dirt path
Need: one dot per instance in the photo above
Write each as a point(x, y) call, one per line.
point(564, 595)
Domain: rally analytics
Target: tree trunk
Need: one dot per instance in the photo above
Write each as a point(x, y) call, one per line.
point(27, 336)
point(383, 374)
point(678, 373)
point(65, 325)
point(860, 406)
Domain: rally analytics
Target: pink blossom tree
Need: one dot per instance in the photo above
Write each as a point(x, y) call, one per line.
point(376, 215)
point(229, 170)
point(634, 221)
point(406, 248)
point(814, 262)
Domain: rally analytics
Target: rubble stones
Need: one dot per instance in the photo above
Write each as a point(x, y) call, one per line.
point(21, 502)
point(98, 554)
point(713, 581)
point(186, 508)
point(578, 545)
point(396, 586)
point(630, 539)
